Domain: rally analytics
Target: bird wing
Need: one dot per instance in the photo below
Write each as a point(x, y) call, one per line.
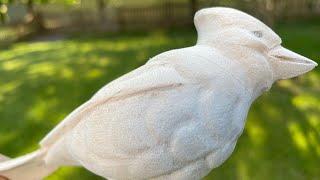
point(150, 77)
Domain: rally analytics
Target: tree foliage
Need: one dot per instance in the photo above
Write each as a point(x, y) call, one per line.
point(30, 5)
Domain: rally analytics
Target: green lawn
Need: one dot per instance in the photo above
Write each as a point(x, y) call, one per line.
point(41, 82)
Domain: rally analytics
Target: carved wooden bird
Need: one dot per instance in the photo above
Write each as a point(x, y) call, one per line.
point(176, 117)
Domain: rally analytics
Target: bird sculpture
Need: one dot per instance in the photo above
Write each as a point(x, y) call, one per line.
point(178, 116)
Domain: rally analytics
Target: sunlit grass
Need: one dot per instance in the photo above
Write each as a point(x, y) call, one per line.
point(41, 82)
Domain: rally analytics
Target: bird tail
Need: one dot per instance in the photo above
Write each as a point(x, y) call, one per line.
point(28, 167)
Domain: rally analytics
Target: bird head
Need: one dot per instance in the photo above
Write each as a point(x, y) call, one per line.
point(251, 44)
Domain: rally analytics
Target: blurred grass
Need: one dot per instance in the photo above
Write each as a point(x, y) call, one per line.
point(41, 82)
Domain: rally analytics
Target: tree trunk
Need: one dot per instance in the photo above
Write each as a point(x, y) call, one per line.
point(193, 6)
point(30, 8)
point(35, 18)
point(168, 14)
point(3, 15)
point(101, 5)
point(120, 19)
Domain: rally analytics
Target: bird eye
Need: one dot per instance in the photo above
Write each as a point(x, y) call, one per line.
point(259, 34)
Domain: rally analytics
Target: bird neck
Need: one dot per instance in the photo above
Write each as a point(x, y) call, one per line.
point(247, 67)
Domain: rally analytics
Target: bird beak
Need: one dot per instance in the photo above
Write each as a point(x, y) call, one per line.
point(286, 64)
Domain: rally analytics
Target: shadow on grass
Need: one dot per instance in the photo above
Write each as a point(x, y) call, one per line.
point(43, 82)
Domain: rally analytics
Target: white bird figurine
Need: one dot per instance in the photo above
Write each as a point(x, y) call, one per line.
point(176, 117)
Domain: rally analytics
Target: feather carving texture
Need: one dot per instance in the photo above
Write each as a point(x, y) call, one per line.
point(178, 116)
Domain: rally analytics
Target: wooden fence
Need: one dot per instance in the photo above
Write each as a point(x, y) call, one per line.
point(79, 18)
point(166, 15)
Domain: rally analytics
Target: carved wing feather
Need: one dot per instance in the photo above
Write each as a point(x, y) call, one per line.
point(149, 77)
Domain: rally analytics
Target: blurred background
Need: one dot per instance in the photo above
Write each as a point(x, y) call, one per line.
point(55, 54)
